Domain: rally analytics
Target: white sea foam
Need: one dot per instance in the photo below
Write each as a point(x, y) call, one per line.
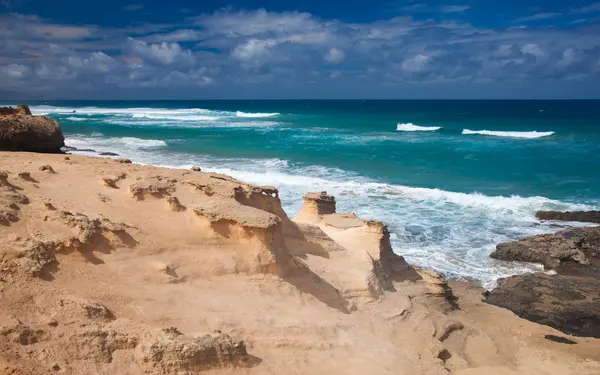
point(174, 117)
point(512, 134)
point(113, 144)
point(77, 119)
point(253, 115)
point(410, 127)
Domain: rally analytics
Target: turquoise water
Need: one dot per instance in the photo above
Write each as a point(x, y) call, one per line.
point(450, 178)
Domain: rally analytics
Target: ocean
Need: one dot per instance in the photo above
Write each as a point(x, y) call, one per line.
point(451, 179)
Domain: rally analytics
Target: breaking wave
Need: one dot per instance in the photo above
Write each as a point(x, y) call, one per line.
point(511, 134)
point(410, 127)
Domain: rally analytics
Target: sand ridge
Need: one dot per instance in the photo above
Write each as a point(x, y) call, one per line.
point(110, 267)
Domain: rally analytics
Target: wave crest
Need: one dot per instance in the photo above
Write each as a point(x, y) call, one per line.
point(511, 134)
point(254, 115)
point(410, 127)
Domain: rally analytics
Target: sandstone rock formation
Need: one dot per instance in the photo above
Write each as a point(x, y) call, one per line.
point(582, 216)
point(20, 131)
point(93, 280)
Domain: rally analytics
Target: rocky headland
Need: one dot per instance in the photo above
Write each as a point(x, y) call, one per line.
point(107, 266)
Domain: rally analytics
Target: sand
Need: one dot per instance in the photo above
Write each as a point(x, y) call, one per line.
point(108, 267)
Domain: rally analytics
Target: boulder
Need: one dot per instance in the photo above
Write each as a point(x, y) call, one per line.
point(20, 131)
point(582, 216)
point(567, 303)
point(577, 245)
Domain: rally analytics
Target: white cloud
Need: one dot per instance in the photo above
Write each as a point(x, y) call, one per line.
point(163, 53)
point(97, 62)
point(416, 63)
point(335, 55)
point(183, 35)
point(255, 51)
point(532, 49)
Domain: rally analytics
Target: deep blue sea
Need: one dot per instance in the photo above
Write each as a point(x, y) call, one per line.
point(450, 178)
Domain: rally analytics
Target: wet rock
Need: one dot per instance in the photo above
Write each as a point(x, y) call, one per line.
point(581, 216)
point(567, 303)
point(123, 161)
point(196, 169)
point(565, 248)
point(108, 154)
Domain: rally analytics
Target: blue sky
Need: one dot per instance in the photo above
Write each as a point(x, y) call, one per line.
point(300, 49)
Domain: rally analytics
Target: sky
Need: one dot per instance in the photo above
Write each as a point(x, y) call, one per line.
point(213, 49)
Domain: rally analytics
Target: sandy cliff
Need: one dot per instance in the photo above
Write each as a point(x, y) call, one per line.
point(108, 267)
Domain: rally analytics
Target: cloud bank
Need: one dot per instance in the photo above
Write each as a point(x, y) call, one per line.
point(216, 53)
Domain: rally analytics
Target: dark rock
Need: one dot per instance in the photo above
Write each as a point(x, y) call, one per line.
point(196, 169)
point(567, 303)
point(19, 131)
point(582, 216)
point(108, 154)
point(568, 248)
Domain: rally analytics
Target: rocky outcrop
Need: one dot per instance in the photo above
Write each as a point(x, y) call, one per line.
point(577, 245)
point(20, 131)
point(581, 216)
point(10, 200)
point(568, 301)
point(316, 205)
point(174, 353)
point(156, 187)
point(569, 304)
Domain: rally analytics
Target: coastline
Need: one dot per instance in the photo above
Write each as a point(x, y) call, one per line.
point(320, 293)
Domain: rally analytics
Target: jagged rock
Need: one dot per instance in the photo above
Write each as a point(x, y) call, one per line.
point(90, 309)
point(196, 169)
point(10, 200)
point(315, 206)
point(33, 258)
point(173, 353)
point(569, 304)
point(577, 245)
point(174, 205)
point(152, 187)
point(19, 131)
point(47, 168)
point(123, 161)
point(582, 216)
point(21, 109)
point(325, 204)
